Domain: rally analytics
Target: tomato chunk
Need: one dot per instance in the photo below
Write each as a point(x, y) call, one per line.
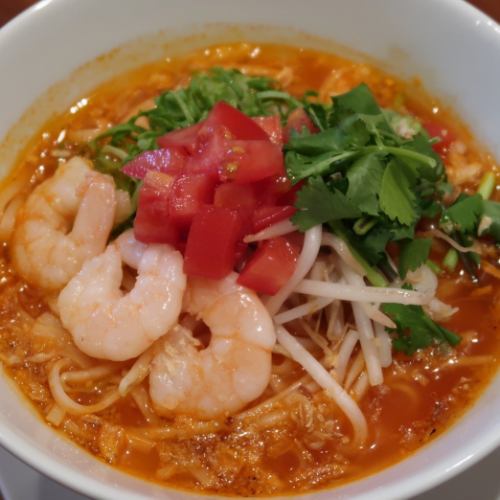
point(185, 138)
point(188, 194)
point(210, 151)
point(297, 121)
point(239, 125)
point(211, 244)
point(232, 195)
point(270, 267)
point(170, 160)
point(435, 129)
point(272, 127)
point(241, 197)
point(251, 161)
point(152, 223)
point(267, 216)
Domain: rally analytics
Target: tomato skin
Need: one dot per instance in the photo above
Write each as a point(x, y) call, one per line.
point(251, 161)
point(241, 197)
point(188, 194)
point(272, 127)
point(270, 267)
point(267, 216)
point(171, 160)
point(232, 195)
point(239, 125)
point(183, 139)
point(446, 136)
point(212, 241)
point(210, 151)
point(152, 223)
point(297, 121)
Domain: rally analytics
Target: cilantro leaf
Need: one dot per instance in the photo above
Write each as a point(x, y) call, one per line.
point(365, 177)
point(415, 330)
point(317, 204)
point(463, 215)
point(396, 198)
point(413, 254)
point(358, 100)
point(490, 221)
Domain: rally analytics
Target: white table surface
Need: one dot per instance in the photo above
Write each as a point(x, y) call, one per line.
point(20, 482)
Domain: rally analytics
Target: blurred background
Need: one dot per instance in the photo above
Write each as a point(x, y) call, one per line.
point(9, 8)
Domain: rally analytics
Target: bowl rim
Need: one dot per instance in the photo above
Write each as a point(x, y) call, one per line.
point(469, 453)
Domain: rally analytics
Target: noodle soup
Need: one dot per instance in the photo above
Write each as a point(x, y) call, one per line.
point(204, 397)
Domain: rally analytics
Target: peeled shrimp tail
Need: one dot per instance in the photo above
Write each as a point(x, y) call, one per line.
point(232, 371)
point(107, 323)
point(66, 220)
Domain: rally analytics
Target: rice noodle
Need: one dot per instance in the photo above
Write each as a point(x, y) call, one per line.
point(141, 398)
point(341, 248)
point(364, 293)
point(326, 381)
point(66, 403)
point(94, 373)
point(384, 346)
point(138, 372)
point(303, 310)
point(344, 354)
point(308, 255)
point(279, 229)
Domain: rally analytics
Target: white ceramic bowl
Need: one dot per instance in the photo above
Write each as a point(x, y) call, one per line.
point(453, 47)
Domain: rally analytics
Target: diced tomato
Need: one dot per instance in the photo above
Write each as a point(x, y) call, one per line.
point(188, 194)
point(272, 127)
point(270, 267)
point(297, 121)
point(241, 255)
point(251, 161)
point(239, 125)
point(210, 150)
point(152, 223)
point(211, 244)
point(232, 195)
point(241, 197)
point(170, 160)
point(185, 138)
point(435, 129)
point(274, 190)
point(267, 216)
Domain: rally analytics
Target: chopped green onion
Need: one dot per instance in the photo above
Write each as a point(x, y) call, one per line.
point(363, 225)
point(450, 260)
point(433, 267)
point(114, 151)
point(487, 185)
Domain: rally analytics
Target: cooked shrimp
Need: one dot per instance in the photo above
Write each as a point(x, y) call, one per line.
point(65, 221)
point(109, 324)
point(233, 370)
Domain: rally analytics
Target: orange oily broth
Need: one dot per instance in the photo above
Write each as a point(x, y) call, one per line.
point(259, 456)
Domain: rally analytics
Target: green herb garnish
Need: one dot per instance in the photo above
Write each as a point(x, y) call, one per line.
point(415, 330)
